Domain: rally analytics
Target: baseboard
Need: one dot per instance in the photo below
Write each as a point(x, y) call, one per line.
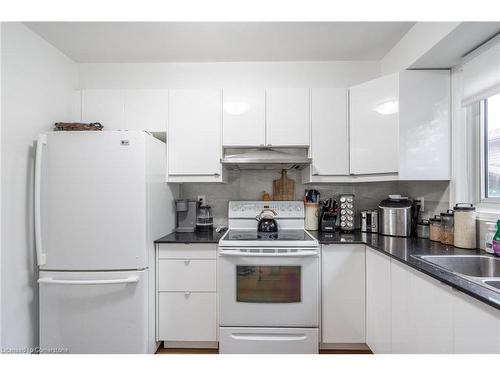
point(191, 344)
point(343, 346)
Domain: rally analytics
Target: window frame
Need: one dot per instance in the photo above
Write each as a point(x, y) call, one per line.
point(482, 175)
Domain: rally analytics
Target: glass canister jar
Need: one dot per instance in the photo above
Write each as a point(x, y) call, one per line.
point(423, 229)
point(435, 228)
point(447, 227)
point(465, 226)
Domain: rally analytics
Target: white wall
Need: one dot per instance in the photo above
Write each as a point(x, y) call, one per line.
point(414, 44)
point(230, 74)
point(38, 84)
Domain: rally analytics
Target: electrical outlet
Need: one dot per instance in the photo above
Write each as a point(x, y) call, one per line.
point(421, 199)
point(202, 199)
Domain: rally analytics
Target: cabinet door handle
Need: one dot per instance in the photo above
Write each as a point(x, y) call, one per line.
point(216, 174)
point(186, 262)
point(269, 144)
point(187, 294)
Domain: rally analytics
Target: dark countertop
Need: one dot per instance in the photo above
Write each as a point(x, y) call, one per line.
point(402, 249)
point(193, 237)
point(398, 248)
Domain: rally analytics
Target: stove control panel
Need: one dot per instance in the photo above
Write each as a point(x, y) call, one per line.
point(250, 209)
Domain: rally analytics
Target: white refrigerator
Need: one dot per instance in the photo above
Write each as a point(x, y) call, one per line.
point(100, 202)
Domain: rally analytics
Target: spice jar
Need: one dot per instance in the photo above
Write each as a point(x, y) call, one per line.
point(447, 227)
point(435, 228)
point(423, 229)
point(465, 226)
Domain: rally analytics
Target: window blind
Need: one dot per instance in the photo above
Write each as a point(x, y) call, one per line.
point(481, 74)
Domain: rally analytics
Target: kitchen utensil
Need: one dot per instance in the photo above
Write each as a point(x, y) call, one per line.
point(284, 188)
point(328, 215)
point(312, 196)
point(266, 222)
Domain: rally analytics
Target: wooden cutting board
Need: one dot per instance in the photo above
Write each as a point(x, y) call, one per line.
point(284, 188)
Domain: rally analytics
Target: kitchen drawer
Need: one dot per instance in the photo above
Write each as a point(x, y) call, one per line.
point(188, 250)
point(191, 275)
point(187, 316)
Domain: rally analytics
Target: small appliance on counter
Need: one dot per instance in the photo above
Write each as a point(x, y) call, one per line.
point(369, 221)
point(398, 216)
point(347, 212)
point(185, 210)
point(204, 219)
point(328, 216)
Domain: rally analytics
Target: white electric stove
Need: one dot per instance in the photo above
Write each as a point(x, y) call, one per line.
point(268, 282)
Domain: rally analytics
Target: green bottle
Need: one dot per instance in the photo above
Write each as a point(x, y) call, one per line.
point(496, 240)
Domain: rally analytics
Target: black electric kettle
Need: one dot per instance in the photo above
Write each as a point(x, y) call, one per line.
point(266, 222)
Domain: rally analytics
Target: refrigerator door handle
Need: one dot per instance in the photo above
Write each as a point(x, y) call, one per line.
point(50, 280)
point(40, 255)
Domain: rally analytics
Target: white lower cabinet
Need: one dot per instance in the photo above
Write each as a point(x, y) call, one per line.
point(476, 326)
point(378, 301)
point(422, 312)
point(343, 294)
point(187, 316)
point(187, 295)
point(410, 312)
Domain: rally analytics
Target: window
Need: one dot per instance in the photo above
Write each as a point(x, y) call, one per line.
point(490, 150)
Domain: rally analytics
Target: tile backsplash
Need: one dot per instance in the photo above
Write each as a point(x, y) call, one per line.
point(249, 185)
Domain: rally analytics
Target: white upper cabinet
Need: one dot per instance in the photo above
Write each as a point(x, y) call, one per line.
point(194, 136)
point(244, 117)
point(287, 117)
point(329, 133)
point(146, 110)
point(424, 125)
point(126, 109)
point(374, 126)
point(104, 106)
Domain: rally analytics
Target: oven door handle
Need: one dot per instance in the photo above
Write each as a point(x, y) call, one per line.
point(269, 336)
point(294, 254)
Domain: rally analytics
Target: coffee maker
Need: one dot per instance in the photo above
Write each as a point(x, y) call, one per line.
point(185, 210)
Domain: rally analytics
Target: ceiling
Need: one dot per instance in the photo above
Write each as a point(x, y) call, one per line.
point(87, 42)
point(453, 47)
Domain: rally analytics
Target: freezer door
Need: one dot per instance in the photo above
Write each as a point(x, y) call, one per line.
point(93, 312)
point(92, 198)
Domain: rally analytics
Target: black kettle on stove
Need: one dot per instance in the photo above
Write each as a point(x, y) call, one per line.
point(266, 221)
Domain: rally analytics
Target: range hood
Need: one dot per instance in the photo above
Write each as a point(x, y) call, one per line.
point(265, 158)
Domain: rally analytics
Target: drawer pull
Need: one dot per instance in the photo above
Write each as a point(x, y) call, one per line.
point(187, 294)
point(186, 262)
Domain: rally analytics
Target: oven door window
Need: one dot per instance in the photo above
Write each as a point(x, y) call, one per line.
point(268, 284)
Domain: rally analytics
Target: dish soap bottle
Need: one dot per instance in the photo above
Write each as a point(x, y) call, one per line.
point(496, 240)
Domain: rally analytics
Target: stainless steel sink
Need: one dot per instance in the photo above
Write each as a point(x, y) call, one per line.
point(494, 283)
point(470, 265)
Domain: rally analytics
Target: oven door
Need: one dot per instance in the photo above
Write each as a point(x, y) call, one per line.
point(270, 287)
